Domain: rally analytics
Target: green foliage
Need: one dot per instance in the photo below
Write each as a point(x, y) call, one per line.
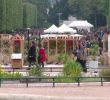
point(93, 10)
point(94, 49)
point(106, 72)
point(63, 58)
point(35, 71)
point(5, 74)
point(42, 16)
point(60, 57)
point(11, 75)
point(90, 79)
point(72, 68)
point(60, 7)
point(65, 79)
point(30, 15)
point(11, 15)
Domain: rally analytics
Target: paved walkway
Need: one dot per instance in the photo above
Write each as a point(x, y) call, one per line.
point(56, 93)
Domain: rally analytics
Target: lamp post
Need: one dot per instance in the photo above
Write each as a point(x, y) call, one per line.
point(59, 18)
point(28, 29)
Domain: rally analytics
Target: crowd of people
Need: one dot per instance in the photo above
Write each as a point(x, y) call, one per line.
point(81, 49)
point(36, 55)
point(83, 46)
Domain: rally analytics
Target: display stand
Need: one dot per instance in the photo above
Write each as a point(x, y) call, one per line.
point(18, 51)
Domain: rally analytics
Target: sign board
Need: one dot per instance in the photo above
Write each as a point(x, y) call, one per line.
point(16, 56)
point(93, 64)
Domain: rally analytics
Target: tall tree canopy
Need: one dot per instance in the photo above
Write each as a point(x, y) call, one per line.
point(11, 14)
point(42, 11)
point(93, 10)
point(61, 6)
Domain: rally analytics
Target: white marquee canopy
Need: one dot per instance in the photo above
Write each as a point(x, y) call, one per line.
point(52, 29)
point(65, 29)
point(62, 29)
point(81, 24)
point(60, 35)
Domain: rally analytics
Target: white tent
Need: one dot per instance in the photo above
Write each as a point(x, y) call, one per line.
point(81, 24)
point(48, 36)
point(65, 29)
point(59, 35)
point(52, 29)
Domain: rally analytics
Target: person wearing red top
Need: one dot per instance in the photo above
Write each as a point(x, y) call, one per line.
point(42, 55)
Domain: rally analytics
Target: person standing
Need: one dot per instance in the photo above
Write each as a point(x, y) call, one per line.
point(32, 54)
point(88, 45)
point(42, 56)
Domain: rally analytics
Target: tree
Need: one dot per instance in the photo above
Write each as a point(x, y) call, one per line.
point(62, 7)
point(29, 15)
point(42, 11)
point(90, 10)
point(11, 15)
point(105, 5)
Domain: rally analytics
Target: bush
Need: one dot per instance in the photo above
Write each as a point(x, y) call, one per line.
point(106, 72)
point(35, 71)
point(5, 74)
point(14, 75)
point(60, 57)
point(72, 68)
point(64, 79)
point(63, 58)
point(94, 49)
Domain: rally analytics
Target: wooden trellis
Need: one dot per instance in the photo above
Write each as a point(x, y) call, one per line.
point(5, 48)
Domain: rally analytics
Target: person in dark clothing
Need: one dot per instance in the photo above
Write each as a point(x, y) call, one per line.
point(88, 45)
point(100, 47)
point(83, 57)
point(32, 54)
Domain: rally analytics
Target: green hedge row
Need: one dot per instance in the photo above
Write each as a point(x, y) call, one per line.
point(30, 15)
point(14, 17)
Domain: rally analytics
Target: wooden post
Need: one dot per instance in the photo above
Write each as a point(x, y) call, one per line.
point(65, 45)
point(56, 47)
point(48, 47)
point(73, 43)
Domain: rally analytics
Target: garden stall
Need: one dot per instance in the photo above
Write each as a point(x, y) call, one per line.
point(17, 51)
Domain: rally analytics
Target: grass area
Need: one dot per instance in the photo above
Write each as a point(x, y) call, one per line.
point(90, 79)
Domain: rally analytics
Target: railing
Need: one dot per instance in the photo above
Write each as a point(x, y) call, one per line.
point(53, 80)
point(24, 69)
point(46, 69)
